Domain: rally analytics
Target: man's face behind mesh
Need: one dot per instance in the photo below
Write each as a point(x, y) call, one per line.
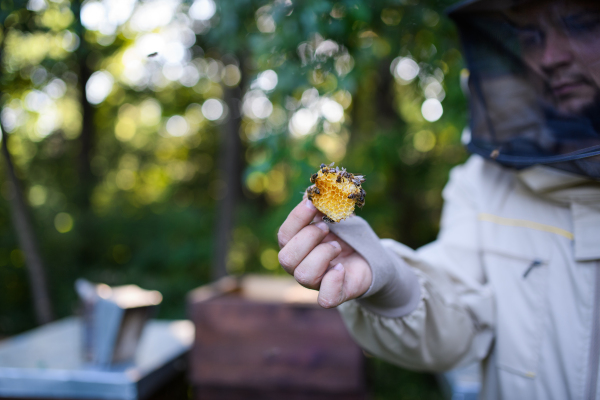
point(560, 41)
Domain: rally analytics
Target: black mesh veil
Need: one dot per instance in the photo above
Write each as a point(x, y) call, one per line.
point(534, 81)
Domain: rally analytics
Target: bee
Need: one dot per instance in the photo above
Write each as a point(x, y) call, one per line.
point(310, 191)
point(313, 178)
point(352, 196)
point(327, 219)
point(357, 180)
point(339, 178)
point(361, 201)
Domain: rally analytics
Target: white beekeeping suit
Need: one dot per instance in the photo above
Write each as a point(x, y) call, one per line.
point(513, 279)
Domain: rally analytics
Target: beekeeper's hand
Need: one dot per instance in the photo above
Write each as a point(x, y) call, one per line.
point(320, 260)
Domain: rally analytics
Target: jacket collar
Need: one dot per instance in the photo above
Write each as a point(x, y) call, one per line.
point(560, 186)
point(581, 195)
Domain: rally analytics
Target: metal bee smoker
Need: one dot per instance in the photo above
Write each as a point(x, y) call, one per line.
point(114, 318)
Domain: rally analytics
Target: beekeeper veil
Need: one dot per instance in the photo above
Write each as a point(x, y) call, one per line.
point(534, 81)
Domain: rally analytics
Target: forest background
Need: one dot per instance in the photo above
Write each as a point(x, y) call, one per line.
point(163, 142)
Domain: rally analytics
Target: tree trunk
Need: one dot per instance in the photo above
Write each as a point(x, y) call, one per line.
point(88, 129)
point(229, 174)
point(27, 241)
point(86, 138)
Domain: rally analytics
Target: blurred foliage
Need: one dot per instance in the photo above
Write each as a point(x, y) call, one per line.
point(389, 382)
point(371, 85)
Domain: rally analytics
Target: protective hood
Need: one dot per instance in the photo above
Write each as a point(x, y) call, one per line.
point(534, 81)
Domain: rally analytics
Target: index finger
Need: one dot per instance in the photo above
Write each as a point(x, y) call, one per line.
point(300, 216)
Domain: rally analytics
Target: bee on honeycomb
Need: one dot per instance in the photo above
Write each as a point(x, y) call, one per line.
point(335, 192)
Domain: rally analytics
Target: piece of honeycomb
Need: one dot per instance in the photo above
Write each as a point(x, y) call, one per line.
point(335, 192)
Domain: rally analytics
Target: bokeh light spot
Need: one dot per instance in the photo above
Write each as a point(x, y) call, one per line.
point(212, 109)
point(37, 5)
point(177, 126)
point(56, 88)
point(37, 195)
point(125, 179)
point(267, 80)
point(269, 259)
point(98, 87)
point(92, 15)
point(424, 141)
point(125, 129)
point(434, 90)
point(256, 182)
point(303, 122)
point(190, 76)
point(63, 222)
point(262, 107)
point(432, 110)
point(231, 75)
point(264, 20)
point(406, 69)
point(391, 16)
point(150, 112)
point(203, 10)
point(332, 110)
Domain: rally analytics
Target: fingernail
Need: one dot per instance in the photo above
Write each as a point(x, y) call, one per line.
point(322, 226)
point(309, 205)
point(338, 267)
point(335, 244)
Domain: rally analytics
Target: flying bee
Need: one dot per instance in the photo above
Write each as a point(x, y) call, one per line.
point(313, 178)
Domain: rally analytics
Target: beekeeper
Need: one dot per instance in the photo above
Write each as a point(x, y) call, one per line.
point(513, 280)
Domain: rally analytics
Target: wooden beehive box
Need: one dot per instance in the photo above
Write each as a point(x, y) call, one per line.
point(266, 337)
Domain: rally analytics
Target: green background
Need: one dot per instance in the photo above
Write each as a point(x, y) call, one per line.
point(119, 193)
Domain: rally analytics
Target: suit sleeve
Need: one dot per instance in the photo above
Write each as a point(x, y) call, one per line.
point(428, 309)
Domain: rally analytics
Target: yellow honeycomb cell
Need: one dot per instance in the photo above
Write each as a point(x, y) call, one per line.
point(335, 192)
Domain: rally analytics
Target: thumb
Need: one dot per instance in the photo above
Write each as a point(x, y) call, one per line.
point(331, 292)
